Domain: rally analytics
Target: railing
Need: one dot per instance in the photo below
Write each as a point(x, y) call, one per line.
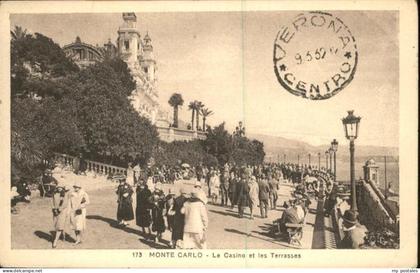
point(93, 166)
point(170, 134)
point(373, 209)
point(104, 168)
point(382, 199)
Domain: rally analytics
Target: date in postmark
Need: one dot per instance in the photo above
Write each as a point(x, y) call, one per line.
point(315, 56)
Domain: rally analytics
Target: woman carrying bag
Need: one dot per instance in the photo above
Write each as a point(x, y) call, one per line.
point(60, 209)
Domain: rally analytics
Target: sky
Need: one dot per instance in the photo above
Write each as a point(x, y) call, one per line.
point(225, 60)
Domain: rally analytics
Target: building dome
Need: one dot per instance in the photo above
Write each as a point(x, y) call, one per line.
point(83, 54)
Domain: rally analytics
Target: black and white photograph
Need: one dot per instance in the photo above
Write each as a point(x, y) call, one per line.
point(206, 130)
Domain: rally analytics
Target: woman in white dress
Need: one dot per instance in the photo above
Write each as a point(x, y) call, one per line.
point(214, 186)
point(130, 175)
point(79, 199)
point(137, 172)
point(196, 221)
point(60, 209)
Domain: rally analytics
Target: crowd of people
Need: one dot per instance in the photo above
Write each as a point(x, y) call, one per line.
point(185, 215)
point(142, 200)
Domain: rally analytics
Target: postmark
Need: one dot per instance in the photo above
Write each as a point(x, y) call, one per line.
point(315, 55)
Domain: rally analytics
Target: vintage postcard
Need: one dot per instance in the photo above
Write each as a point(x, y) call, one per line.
point(209, 134)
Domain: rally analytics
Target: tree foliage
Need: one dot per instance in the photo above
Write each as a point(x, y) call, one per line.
point(58, 108)
point(35, 57)
point(112, 129)
point(218, 148)
point(191, 152)
point(175, 101)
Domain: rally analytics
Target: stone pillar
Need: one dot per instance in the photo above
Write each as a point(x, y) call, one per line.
point(370, 171)
point(171, 134)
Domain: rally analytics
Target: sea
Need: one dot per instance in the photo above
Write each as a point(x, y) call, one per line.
point(392, 173)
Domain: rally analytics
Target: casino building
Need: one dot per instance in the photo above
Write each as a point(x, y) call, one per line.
point(137, 52)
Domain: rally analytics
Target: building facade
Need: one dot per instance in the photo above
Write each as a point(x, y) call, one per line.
point(137, 52)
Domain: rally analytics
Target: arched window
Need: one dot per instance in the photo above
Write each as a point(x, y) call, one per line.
point(126, 44)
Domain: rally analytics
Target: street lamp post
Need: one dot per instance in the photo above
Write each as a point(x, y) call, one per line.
point(334, 147)
point(326, 160)
point(309, 159)
point(298, 159)
point(319, 161)
point(330, 153)
point(351, 128)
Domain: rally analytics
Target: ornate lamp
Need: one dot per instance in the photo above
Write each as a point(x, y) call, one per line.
point(351, 125)
point(351, 129)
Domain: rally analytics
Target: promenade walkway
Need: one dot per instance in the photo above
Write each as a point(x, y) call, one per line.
point(31, 228)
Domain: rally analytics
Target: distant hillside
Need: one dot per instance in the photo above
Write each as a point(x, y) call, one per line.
point(276, 145)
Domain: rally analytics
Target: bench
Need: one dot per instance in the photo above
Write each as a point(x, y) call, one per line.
point(295, 233)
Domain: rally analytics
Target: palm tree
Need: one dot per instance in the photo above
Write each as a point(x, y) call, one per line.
point(205, 112)
point(192, 106)
point(176, 101)
point(199, 106)
point(18, 33)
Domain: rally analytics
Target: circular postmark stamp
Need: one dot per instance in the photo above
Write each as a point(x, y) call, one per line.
point(315, 56)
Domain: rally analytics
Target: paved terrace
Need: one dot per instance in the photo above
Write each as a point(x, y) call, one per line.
point(32, 227)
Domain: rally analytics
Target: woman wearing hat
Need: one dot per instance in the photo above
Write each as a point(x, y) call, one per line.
point(79, 199)
point(196, 221)
point(214, 184)
point(60, 204)
point(125, 203)
point(143, 217)
point(198, 188)
point(157, 201)
point(130, 174)
point(179, 218)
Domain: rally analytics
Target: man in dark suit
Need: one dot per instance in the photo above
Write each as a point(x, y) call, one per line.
point(264, 195)
point(292, 215)
point(242, 192)
point(354, 234)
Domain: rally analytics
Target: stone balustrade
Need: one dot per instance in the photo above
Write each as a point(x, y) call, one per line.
point(170, 134)
point(373, 209)
point(93, 166)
